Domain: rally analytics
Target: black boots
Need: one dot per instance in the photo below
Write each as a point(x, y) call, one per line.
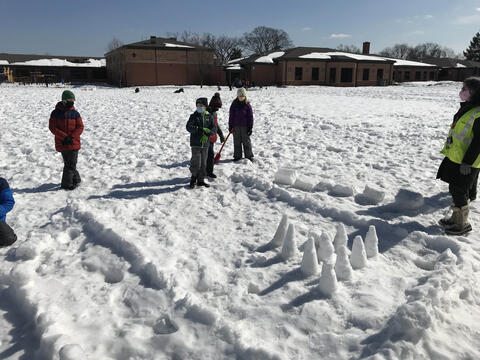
point(193, 180)
point(202, 183)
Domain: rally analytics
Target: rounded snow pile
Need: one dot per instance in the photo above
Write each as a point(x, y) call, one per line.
point(285, 176)
point(408, 200)
point(370, 196)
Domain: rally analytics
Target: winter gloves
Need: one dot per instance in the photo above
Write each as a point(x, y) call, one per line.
point(206, 131)
point(249, 130)
point(203, 140)
point(68, 140)
point(465, 169)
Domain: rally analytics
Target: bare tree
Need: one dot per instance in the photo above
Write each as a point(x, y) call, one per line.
point(114, 44)
point(349, 48)
point(263, 39)
point(419, 52)
point(398, 51)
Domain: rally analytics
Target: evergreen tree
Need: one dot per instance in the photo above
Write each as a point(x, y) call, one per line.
point(473, 51)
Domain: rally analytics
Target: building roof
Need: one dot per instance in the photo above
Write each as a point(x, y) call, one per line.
point(16, 58)
point(453, 63)
point(162, 43)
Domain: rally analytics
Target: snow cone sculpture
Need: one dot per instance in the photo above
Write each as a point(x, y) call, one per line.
point(341, 237)
point(358, 259)
point(279, 236)
point(325, 248)
point(289, 247)
point(343, 269)
point(328, 280)
point(309, 265)
point(371, 242)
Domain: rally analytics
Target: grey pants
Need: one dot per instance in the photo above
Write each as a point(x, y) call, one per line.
point(241, 138)
point(199, 163)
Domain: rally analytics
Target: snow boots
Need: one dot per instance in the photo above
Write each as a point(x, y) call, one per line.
point(459, 221)
point(193, 181)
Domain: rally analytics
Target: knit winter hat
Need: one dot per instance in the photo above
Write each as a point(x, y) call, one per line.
point(241, 92)
point(203, 101)
point(215, 101)
point(68, 95)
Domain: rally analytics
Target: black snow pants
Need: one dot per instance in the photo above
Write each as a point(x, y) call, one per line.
point(71, 177)
point(7, 235)
point(461, 196)
point(210, 159)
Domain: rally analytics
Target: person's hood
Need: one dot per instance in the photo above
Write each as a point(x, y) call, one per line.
point(61, 106)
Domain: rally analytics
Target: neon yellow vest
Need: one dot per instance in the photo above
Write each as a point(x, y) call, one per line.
point(460, 138)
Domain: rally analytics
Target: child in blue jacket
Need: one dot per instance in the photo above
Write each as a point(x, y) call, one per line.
point(7, 236)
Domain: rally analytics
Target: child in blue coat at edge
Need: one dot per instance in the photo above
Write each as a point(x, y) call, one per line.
point(7, 235)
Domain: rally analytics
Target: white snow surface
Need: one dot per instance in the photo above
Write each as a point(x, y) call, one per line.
point(460, 65)
point(62, 62)
point(177, 45)
point(3, 62)
point(268, 59)
point(134, 265)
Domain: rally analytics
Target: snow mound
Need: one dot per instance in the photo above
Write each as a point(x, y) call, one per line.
point(328, 280)
point(289, 248)
point(304, 183)
point(370, 196)
point(406, 200)
point(309, 265)
point(281, 232)
point(341, 191)
point(358, 258)
point(371, 242)
point(341, 238)
point(71, 352)
point(324, 245)
point(285, 176)
point(343, 268)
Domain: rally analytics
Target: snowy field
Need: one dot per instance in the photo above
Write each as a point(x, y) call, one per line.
point(135, 265)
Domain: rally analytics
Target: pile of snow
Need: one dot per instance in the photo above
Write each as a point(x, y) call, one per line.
point(285, 176)
point(358, 258)
point(63, 63)
point(289, 247)
point(370, 196)
point(406, 200)
point(268, 59)
point(177, 45)
point(3, 62)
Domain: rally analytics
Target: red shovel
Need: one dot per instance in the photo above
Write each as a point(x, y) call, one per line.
point(217, 157)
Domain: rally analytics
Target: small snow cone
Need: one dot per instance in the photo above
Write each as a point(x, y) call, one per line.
point(309, 265)
point(343, 268)
point(281, 232)
point(341, 238)
point(325, 248)
point(289, 248)
point(358, 259)
point(328, 280)
point(371, 242)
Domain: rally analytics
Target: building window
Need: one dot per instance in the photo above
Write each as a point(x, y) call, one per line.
point(298, 73)
point(346, 75)
point(366, 74)
point(399, 76)
point(333, 75)
point(407, 75)
point(315, 74)
point(418, 75)
point(380, 74)
point(432, 75)
point(424, 75)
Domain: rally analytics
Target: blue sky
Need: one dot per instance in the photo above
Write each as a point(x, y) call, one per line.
point(84, 27)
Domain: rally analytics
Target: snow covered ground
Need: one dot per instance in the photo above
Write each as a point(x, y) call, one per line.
point(134, 265)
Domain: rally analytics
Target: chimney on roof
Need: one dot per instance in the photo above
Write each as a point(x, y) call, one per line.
point(153, 39)
point(366, 48)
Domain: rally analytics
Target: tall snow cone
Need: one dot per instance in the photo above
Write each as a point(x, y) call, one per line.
point(371, 242)
point(343, 269)
point(289, 247)
point(309, 265)
point(341, 238)
point(358, 259)
point(279, 236)
point(325, 248)
point(328, 280)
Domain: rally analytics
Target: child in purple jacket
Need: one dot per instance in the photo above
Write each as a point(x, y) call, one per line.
point(241, 121)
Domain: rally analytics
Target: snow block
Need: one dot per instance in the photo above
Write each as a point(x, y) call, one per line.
point(343, 268)
point(281, 232)
point(289, 247)
point(304, 183)
point(286, 176)
point(328, 280)
point(341, 191)
point(358, 259)
point(371, 242)
point(309, 265)
point(408, 200)
point(341, 238)
point(370, 196)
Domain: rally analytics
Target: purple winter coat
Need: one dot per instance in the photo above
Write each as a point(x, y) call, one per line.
point(241, 114)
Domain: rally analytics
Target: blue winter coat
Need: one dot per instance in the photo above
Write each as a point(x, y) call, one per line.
point(6, 199)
